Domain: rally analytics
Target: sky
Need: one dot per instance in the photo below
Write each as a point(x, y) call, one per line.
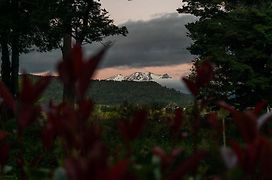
point(124, 10)
point(156, 41)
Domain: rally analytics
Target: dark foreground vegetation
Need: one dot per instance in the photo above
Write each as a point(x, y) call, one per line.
point(74, 139)
point(65, 141)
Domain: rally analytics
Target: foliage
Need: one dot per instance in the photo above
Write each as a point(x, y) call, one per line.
point(236, 36)
point(85, 20)
point(80, 149)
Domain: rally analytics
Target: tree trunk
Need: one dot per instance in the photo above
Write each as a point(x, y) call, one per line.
point(5, 113)
point(5, 66)
point(15, 49)
point(15, 66)
point(68, 89)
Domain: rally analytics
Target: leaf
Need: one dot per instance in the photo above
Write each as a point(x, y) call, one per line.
point(7, 96)
point(245, 121)
point(3, 135)
point(4, 153)
point(27, 115)
point(259, 107)
point(87, 72)
point(213, 120)
point(40, 86)
point(262, 119)
point(229, 157)
point(73, 169)
point(130, 130)
point(77, 73)
point(85, 108)
point(227, 107)
point(138, 123)
point(247, 125)
point(176, 122)
point(119, 170)
point(48, 135)
point(266, 159)
point(60, 174)
point(204, 73)
point(192, 87)
point(187, 166)
point(166, 159)
point(159, 152)
point(30, 93)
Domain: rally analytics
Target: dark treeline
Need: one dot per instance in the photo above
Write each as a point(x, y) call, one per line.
point(116, 93)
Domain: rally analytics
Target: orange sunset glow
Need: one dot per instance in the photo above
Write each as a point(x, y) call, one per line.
point(175, 71)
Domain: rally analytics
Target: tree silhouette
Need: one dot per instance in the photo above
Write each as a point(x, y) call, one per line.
point(237, 38)
point(84, 21)
point(49, 24)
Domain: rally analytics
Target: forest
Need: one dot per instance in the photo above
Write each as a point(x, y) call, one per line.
point(115, 93)
point(71, 127)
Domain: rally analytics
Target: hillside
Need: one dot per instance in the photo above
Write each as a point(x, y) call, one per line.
point(116, 92)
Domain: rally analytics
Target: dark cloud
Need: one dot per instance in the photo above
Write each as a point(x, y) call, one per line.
point(158, 42)
point(38, 62)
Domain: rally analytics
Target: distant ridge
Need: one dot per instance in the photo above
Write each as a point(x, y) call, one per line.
point(45, 73)
point(164, 80)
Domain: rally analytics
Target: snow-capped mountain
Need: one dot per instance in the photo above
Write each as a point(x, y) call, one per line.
point(164, 80)
point(118, 77)
point(139, 76)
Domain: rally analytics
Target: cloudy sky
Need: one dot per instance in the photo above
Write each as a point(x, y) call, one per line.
point(156, 41)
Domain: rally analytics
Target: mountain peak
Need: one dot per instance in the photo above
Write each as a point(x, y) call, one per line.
point(118, 77)
point(166, 76)
point(140, 76)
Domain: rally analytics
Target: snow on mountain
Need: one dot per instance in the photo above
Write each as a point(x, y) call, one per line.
point(118, 77)
point(164, 80)
point(139, 76)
